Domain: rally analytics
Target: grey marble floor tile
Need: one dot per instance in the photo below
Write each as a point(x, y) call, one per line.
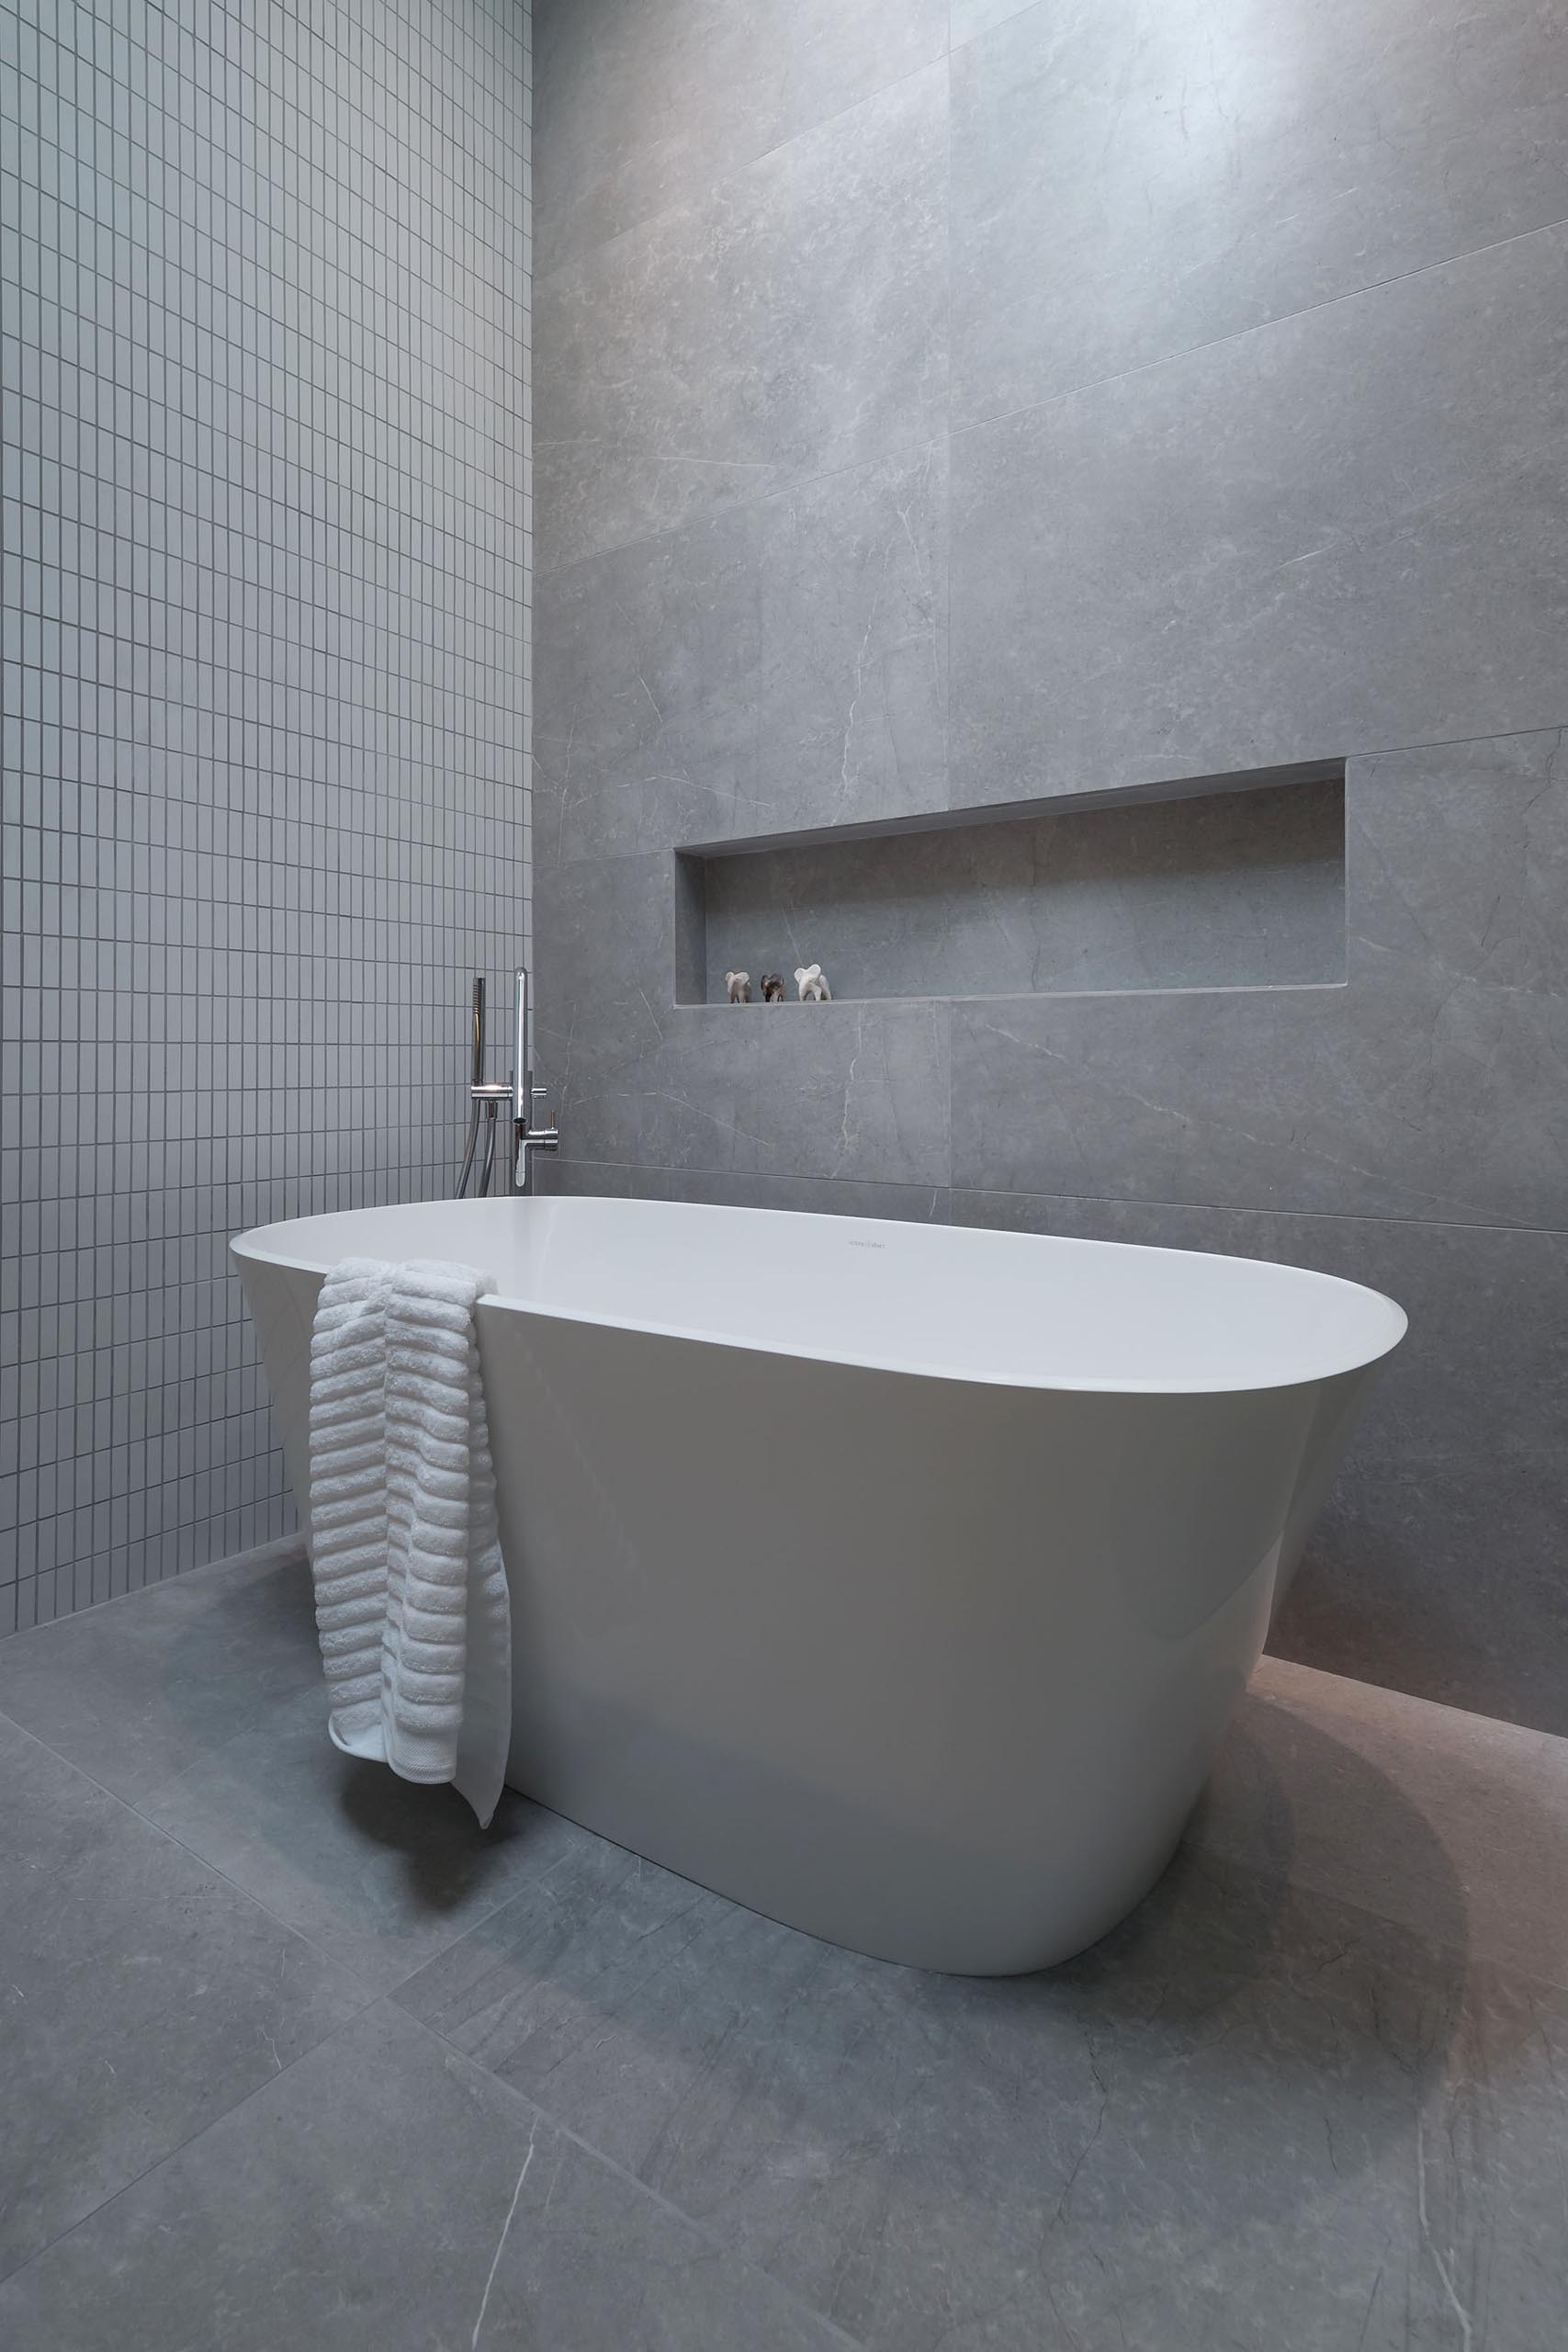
point(1453, 1824)
point(636, 109)
point(1344, 532)
point(143, 1687)
point(385, 2196)
point(1437, 1565)
point(1200, 169)
point(771, 332)
point(140, 1996)
point(378, 1873)
point(1247, 2116)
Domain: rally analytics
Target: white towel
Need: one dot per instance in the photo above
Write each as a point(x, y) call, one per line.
point(411, 1601)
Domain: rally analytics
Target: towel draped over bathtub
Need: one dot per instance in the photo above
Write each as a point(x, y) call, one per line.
point(411, 1601)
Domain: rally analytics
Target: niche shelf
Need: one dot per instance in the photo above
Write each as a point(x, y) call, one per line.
point(1227, 882)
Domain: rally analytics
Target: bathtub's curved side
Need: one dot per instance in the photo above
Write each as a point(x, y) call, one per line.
point(282, 1300)
point(931, 1667)
point(928, 1668)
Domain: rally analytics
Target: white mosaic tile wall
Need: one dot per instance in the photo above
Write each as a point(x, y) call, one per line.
point(264, 419)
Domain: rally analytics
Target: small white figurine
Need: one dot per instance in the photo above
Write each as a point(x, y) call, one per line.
point(814, 989)
point(739, 987)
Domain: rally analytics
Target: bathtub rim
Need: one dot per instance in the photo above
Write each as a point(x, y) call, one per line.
point(250, 1246)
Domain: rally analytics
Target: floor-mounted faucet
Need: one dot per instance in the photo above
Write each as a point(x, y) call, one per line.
point(518, 1093)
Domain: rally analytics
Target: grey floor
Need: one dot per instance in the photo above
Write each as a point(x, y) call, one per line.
point(292, 2055)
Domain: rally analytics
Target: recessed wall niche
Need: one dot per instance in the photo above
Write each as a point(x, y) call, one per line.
point(1232, 883)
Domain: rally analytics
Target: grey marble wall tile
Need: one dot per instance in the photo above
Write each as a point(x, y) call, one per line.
point(1243, 2117)
point(560, 1177)
point(790, 323)
point(778, 665)
point(1129, 184)
point(1457, 1010)
point(632, 1080)
point(815, 1195)
point(639, 108)
point(1343, 533)
point(1226, 890)
point(854, 1090)
point(968, 18)
point(142, 1995)
point(1201, 1097)
point(1437, 1567)
point(862, 1095)
point(387, 2196)
point(852, 695)
point(645, 729)
point(1428, 1086)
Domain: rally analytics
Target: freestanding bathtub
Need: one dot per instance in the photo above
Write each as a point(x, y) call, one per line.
point(895, 1580)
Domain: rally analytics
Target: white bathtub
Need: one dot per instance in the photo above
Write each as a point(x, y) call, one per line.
point(895, 1580)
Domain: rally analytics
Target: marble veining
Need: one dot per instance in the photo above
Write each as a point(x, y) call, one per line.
point(1157, 575)
point(618, 139)
point(1216, 165)
point(809, 347)
point(780, 665)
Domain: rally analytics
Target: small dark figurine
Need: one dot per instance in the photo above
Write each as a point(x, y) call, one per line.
point(772, 988)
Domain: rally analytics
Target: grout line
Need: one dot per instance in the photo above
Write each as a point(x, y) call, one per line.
point(1105, 798)
point(493, 2083)
point(709, 188)
point(373, 1992)
point(1217, 1208)
point(907, 453)
point(1203, 1856)
point(1089, 1200)
point(279, 1552)
point(1262, 326)
point(953, 430)
point(385, 1997)
point(451, 2049)
point(131, 1807)
point(254, 1902)
point(170, 2153)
